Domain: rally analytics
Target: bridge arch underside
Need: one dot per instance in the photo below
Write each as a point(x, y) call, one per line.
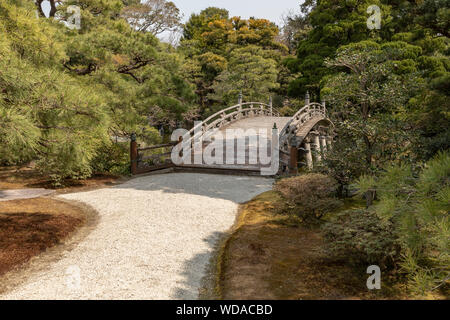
point(307, 145)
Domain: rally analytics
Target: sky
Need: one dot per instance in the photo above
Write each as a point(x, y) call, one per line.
point(267, 9)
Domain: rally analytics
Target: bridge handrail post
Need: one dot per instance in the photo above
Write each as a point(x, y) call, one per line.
point(271, 106)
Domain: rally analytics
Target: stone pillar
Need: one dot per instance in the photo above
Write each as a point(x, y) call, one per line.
point(323, 143)
point(309, 158)
point(317, 147)
point(307, 98)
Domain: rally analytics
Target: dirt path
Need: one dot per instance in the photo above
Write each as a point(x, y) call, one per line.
point(153, 240)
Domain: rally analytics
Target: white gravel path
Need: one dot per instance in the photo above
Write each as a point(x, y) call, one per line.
point(154, 239)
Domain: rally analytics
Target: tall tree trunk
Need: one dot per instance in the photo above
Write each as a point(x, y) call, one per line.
point(369, 158)
point(52, 8)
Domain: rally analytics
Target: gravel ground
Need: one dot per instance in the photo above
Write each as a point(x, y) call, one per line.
point(153, 240)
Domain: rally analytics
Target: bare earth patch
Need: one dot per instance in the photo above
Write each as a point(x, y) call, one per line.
point(26, 177)
point(29, 227)
point(269, 256)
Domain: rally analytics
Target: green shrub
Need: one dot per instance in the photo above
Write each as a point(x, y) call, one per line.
point(409, 227)
point(361, 237)
point(113, 158)
point(308, 196)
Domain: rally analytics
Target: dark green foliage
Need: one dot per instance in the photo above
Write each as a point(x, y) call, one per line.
point(309, 196)
point(417, 206)
point(333, 23)
point(67, 95)
point(368, 97)
point(407, 229)
point(228, 54)
point(362, 238)
point(113, 158)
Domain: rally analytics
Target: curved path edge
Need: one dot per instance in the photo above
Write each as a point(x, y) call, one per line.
point(152, 238)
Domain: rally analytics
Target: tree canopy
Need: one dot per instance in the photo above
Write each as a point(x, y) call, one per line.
point(67, 93)
point(71, 95)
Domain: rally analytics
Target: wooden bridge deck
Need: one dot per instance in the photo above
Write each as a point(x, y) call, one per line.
point(250, 121)
point(247, 132)
point(258, 123)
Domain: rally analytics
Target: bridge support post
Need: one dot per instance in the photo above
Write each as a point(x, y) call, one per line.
point(293, 162)
point(317, 147)
point(323, 143)
point(133, 154)
point(309, 159)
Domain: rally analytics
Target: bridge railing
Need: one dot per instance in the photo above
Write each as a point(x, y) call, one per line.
point(158, 157)
point(308, 112)
point(151, 158)
point(228, 116)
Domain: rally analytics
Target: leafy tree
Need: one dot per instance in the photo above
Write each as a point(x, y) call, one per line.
point(202, 70)
point(142, 75)
point(198, 23)
point(48, 115)
point(213, 43)
point(333, 24)
point(67, 95)
point(155, 16)
point(249, 70)
point(435, 15)
point(406, 230)
point(369, 94)
point(295, 28)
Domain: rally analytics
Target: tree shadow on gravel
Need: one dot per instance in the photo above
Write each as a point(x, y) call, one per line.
point(199, 272)
point(238, 189)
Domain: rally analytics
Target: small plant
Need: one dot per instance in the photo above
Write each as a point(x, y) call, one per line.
point(113, 158)
point(309, 196)
point(362, 238)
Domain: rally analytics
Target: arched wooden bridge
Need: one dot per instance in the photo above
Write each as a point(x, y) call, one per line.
point(302, 141)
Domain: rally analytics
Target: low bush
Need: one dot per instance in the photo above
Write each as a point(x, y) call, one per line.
point(308, 196)
point(361, 237)
point(113, 158)
point(407, 228)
